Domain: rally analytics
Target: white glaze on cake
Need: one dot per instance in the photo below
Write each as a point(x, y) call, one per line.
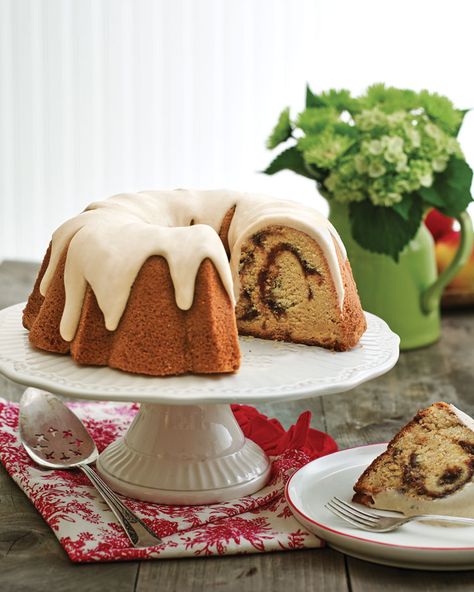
point(463, 417)
point(459, 503)
point(111, 240)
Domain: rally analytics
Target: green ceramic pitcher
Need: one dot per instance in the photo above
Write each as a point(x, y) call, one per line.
point(406, 294)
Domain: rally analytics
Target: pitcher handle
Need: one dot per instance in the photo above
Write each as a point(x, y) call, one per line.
point(431, 296)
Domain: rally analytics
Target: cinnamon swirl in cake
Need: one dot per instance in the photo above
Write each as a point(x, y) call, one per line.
point(427, 468)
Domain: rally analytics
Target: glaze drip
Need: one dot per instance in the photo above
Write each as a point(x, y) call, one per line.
point(109, 242)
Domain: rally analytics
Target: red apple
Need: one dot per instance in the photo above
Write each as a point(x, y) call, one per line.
point(445, 249)
point(438, 224)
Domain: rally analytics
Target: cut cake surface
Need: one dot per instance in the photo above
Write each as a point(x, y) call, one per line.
point(431, 459)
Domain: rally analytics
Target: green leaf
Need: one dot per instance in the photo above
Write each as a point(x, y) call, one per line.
point(346, 130)
point(442, 111)
point(311, 99)
point(431, 197)
point(382, 229)
point(282, 131)
point(403, 207)
point(290, 159)
point(462, 115)
point(451, 190)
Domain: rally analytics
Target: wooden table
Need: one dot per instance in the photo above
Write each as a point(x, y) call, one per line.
point(32, 559)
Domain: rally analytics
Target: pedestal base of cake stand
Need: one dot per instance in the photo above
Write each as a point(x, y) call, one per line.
point(184, 454)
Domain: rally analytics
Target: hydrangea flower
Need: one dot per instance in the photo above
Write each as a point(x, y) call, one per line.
point(388, 148)
point(394, 153)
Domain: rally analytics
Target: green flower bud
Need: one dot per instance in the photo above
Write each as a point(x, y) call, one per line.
point(332, 181)
point(360, 164)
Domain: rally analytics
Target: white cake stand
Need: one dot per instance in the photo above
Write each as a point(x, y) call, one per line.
point(184, 445)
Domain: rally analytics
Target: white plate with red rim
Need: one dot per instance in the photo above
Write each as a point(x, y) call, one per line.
point(415, 545)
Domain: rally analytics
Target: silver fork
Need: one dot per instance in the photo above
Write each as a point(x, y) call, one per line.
point(377, 523)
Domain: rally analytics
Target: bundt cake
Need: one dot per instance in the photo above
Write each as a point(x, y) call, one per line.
point(427, 468)
point(161, 282)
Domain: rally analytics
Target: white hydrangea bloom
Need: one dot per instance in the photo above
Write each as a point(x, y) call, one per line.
point(413, 136)
point(376, 169)
point(375, 147)
point(383, 158)
point(439, 164)
point(426, 180)
point(433, 131)
point(401, 163)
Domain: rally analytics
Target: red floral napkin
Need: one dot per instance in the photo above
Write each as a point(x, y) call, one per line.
point(87, 530)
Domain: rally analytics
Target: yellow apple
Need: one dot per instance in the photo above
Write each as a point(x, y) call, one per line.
point(445, 248)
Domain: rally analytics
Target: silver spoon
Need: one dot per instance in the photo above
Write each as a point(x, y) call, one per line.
point(55, 438)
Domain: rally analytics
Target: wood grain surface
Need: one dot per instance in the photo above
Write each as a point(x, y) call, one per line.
point(31, 559)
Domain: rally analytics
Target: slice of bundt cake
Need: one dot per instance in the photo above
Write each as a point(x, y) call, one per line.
point(427, 468)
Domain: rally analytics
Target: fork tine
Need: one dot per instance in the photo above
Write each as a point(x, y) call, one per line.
point(348, 512)
point(344, 517)
point(346, 509)
point(353, 519)
point(351, 508)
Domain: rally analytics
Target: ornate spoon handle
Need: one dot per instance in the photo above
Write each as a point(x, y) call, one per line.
point(137, 531)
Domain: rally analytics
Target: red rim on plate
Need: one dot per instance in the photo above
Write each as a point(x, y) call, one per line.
point(298, 512)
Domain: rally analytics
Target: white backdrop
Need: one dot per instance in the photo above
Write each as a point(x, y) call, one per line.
point(104, 96)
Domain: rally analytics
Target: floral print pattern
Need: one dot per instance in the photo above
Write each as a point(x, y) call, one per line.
point(87, 530)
